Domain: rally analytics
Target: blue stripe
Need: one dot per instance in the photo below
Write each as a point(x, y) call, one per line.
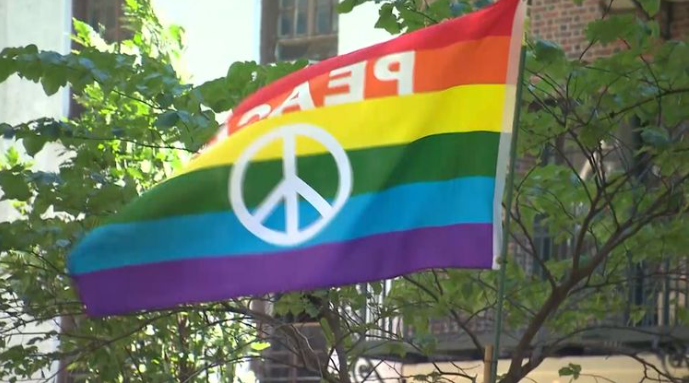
point(405, 207)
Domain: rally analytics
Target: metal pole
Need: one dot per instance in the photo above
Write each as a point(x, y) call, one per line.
point(508, 218)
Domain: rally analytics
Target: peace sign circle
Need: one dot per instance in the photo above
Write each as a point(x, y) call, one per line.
point(290, 188)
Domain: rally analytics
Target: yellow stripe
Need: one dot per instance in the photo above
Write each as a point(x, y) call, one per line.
point(377, 122)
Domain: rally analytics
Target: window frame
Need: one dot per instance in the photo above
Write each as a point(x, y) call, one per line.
point(272, 39)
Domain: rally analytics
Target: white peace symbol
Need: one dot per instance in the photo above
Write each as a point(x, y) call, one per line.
point(290, 188)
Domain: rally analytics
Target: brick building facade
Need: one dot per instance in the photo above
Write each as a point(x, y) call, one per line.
point(564, 22)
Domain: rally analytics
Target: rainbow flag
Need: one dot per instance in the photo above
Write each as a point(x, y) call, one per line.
point(367, 166)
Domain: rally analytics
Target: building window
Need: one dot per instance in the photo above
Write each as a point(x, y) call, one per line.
point(105, 14)
point(298, 29)
point(283, 361)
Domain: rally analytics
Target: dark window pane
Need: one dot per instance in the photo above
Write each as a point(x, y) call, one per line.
point(285, 24)
point(335, 22)
point(278, 344)
point(286, 3)
point(94, 17)
point(324, 17)
point(323, 23)
point(301, 24)
point(279, 372)
point(102, 12)
point(302, 15)
point(110, 18)
point(316, 338)
point(292, 52)
point(305, 374)
point(280, 359)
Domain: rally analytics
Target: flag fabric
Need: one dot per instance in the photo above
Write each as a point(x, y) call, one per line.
point(366, 166)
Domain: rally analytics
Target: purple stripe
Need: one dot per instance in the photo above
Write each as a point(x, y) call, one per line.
point(165, 284)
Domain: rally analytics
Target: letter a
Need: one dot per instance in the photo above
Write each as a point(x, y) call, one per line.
point(299, 98)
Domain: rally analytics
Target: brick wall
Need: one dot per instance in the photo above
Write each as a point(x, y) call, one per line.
point(564, 22)
point(679, 28)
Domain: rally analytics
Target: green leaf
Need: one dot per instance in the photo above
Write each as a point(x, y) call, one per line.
point(376, 287)
point(82, 32)
point(259, 346)
point(167, 119)
point(440, 10)
point(573, 370)
point(7, 131)
point(683, 315)
point(327, 332)
point(467, 290)
point(650, 6)
point(410, 19)
point(637, 315)
point(86, 63)
point(50, 85)
point(14, 186)
point(548, 51)
point(176, 32)
point(33, 144)
point(387, 19)
point(7, 68)
point(12, 157)
point(164, 100)
point(29, 67)
point(611, 29)
point(656, 137)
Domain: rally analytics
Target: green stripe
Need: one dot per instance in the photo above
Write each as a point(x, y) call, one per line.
point(434, 158)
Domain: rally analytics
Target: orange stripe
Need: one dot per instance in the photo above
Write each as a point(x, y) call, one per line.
point(468, 62)
point(481, 61)
point(473, 62)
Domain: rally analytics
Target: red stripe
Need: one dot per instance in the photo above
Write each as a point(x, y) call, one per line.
point(494, 20)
